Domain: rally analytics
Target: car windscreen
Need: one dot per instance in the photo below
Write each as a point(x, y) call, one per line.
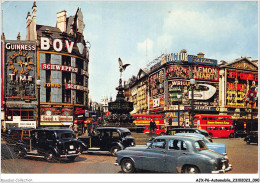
point(67, 135)
point(200, 145)
point(125, 134)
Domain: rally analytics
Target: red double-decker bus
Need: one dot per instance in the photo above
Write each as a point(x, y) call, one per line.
point(215, 125)
point(143, 120)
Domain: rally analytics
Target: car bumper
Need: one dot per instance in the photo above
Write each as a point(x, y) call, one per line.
point(116, 163)
point(69, 155)
point(223, 170)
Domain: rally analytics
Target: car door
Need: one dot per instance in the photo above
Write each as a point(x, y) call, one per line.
point(105, 140)
point(95, 139)
point(154, 156)
point(175, 150)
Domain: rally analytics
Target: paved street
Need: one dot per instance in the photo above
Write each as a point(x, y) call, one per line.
point(243, 157)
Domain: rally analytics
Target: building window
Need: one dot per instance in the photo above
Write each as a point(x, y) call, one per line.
point(66, 60)
point(26, 114)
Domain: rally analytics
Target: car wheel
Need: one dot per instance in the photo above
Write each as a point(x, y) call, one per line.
point(190, 169)
point(114, 150)
point(231, 135)
point(127, 166)
point(72, 158)
point(247, 142)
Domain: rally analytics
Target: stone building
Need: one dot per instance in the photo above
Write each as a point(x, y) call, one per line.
point(59, 58)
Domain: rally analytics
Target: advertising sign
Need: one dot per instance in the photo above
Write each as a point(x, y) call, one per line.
point(205, 73)
point(238, 84)
point(156, 82)
point(178, 71)
point(174, 57)
point(193, 59)
point(204, 92)
point(57, 113)
point(157, 102)
point(20, 69)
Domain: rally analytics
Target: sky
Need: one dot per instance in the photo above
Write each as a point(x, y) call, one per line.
point(138, 32)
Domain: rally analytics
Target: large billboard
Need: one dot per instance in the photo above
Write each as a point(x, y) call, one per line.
point(20, 69)
point(239, 83)
point(156, 82)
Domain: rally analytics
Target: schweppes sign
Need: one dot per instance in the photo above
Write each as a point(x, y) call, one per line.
point(218, 122)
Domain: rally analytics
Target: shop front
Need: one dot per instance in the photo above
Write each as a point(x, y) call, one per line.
point(56, 115)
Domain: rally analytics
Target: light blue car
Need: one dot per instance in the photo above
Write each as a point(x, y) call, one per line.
point(220, 148)
point(173, 154)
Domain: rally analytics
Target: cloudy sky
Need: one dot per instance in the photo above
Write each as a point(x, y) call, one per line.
point(138, 32)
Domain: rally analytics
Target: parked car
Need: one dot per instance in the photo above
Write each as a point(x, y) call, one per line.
point(15, 134)
point(111, 139)
point(219, 148)
point(50, 144)
point(176, 154)
point(190, 130)
point(252, 137)
point(240, 133)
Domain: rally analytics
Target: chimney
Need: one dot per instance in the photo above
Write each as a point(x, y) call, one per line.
point(33, 35)
point(61, 20)
point(183, 51)
point(201, 55)
point(18, 36)
point(28, 25)
point(3, 37)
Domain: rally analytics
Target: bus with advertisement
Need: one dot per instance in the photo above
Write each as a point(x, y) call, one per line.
point(143, 120)
point(215, 125)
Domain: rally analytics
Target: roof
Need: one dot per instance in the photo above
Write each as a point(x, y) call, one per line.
point(234, 63)
point(114, 128)
point(188, 138)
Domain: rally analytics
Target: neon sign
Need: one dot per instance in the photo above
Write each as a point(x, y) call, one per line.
point(59, 68)
point(205, 73)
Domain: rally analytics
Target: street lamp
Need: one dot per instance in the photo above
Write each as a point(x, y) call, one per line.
point(179, 97)
point(38, 83)
point(73, 115)
point(192, 83)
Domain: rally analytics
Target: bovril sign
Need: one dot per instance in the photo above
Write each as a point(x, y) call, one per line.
point(59, 44)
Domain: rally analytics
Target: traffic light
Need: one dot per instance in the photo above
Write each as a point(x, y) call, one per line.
point(244, 125)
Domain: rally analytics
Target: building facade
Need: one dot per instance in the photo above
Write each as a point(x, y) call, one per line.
point(56, 56)
point(220, 88)
point(237, 79)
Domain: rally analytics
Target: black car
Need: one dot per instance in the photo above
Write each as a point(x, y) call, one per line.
point(110, 139)
point(240, 133)
point(190, 130)
point(50, 144)
point(252, 137)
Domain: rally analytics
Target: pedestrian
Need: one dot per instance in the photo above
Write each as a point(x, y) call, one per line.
point(76, 130)
point(154, 126)
point(151, 126)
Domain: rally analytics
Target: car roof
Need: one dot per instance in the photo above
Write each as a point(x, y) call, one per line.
point(113, 128)
point(54, 129)
point(190, 134)
point(189, 138)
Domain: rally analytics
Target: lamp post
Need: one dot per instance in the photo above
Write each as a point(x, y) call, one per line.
point(38, 83)
point(179, 97)
point(192, 83)
point(73, 114)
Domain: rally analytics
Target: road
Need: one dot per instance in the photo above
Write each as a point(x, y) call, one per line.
point(243, 157)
